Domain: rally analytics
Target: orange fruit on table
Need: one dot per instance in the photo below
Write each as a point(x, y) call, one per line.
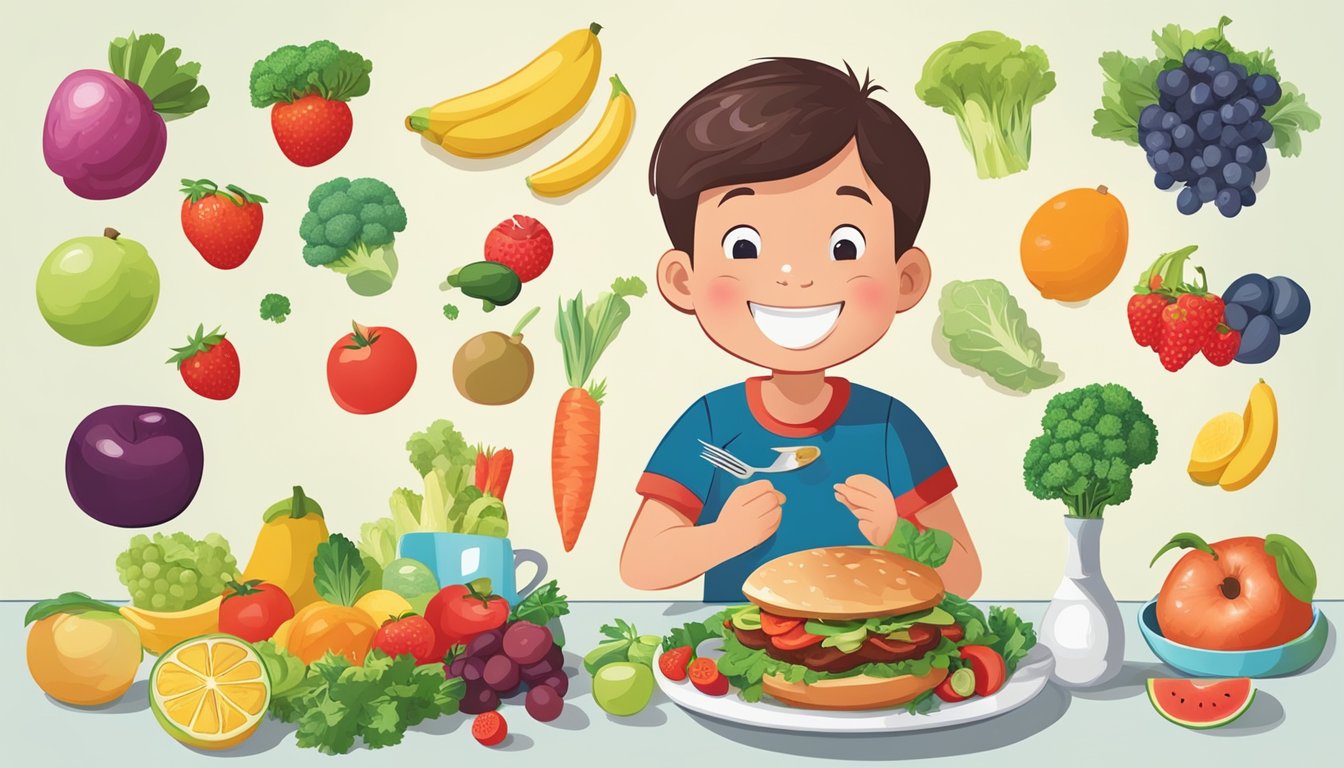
point(1074, 245)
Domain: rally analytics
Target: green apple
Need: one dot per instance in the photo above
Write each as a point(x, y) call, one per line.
point(409, 578)
point(623, 688)
point(98, 291)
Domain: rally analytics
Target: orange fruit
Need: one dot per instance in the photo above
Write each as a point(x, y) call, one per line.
point(1074, 245)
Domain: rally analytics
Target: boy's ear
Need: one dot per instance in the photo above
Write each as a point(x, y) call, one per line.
point(913, 277)
point(674, 280)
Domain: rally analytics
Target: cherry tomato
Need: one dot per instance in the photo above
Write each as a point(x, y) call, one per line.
point(706, 678)
point(795, 639)
point(253, 610)
point(458, 613)
point(988, 666)
point(489, 728)
point(777, 625)
point(370, 369)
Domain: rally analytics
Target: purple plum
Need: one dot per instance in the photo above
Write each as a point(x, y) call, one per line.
point(104, 133)
point(134, 466)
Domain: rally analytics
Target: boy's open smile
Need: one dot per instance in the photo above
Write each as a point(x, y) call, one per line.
point(796, 327)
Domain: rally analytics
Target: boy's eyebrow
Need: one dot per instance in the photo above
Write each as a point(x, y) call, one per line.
point(856, 192)
point(735, 192)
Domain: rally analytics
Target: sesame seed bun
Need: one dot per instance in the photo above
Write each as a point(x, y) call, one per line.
point(843, 583)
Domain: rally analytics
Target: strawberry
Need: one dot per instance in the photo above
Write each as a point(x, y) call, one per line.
point(223, 226)
point(208, 364)
point(410, 635)
point(1222, 345)
point(522, 244)
point(673, 663)
point(1145, 317)
point(311, 130)
point(1187, 325)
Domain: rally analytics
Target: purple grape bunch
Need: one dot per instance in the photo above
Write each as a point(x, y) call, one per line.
point(1208, 131)
point(501, 663)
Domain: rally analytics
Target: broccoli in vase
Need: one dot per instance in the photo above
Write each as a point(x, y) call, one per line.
point(349, 228)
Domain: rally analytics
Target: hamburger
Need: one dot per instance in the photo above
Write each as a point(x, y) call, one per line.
point(844, 628)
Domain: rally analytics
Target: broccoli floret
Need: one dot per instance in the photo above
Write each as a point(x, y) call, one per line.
point(349, 228)
point(989, 83)
point(295, 71)
point(274, 307)
point(1094, 437)
point(450, 311)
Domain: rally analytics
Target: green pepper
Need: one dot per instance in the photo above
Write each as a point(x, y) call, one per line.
point(491, 282)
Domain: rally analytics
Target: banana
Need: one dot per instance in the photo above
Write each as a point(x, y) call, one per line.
point(598, 151)
point(160, 631)
point(522, 107)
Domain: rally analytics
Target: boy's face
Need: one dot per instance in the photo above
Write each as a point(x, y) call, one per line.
point(798, 274)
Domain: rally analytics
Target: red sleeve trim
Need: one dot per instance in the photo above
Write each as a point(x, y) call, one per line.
point(671, 493)
point(938, 485)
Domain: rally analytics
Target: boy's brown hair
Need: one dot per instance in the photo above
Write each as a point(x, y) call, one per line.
point(779, 118)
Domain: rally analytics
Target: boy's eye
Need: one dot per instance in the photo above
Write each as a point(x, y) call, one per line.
point(847, 243)
point(742, 242)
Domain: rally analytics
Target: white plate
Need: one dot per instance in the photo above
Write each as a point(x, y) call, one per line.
point(1029, 680)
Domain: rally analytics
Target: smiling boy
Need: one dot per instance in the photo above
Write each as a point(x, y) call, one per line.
point(792, 199)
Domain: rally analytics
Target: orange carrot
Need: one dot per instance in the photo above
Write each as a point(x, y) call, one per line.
point(584, 333)
point(574, 446)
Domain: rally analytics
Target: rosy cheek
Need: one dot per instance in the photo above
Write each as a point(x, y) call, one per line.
point(723, 293)
point(870, 294)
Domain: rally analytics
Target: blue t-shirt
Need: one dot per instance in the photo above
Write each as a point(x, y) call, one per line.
point(861, 431)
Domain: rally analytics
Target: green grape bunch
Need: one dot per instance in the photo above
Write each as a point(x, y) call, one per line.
point(173, 572)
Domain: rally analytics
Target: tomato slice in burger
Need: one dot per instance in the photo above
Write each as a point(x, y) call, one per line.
point(954, 632)
point(795, 639)
point(777, 625)
point(892, 646)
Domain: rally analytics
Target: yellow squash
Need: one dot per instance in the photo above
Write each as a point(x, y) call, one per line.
point(521, 108)
point(596, 153)
point(290, 532)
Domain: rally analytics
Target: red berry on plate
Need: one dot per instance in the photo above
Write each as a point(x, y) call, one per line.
point(489, 728)
point(673, 663)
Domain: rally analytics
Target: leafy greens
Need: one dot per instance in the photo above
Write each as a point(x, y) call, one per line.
point(1130, 84)
point(986, 329)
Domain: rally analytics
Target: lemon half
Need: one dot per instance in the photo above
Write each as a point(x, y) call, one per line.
point(210, 692)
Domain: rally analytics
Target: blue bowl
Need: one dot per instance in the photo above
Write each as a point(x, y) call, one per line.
point(1286, 659)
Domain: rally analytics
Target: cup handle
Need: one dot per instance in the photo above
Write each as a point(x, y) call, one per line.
point(534, 557)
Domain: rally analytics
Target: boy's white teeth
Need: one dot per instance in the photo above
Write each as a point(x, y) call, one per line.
point(795, 327)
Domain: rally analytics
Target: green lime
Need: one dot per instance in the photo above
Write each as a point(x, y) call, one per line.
point(623, 688)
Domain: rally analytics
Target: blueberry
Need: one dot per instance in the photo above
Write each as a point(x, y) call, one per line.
point(1259, 129)
point(1247, 197)
point(1201, 63)
point(1239, 71)
point(1242, 154)
point(1213, 156)
point(1224, 83)
point(1230, 137)
point(1236, 317)
point(1160, 158)
point(1207, 189)
point(1157, 140)
point(1250, 106)
point(1185, 109)
point(1187, 202)
point(1164, 180)
point(1198, 167)
point(1209, 125)
point(1169, 120)
point(1150, 117)
point(1228, 202)
point(1258, 158)
point(1266, 89)
point(1218, 63)
point(1201, 95)
point(1238, 177)
point(1174, 82)
point(1289, 306)
point(1234, 114)
point(1175, 162)
point(1250, 291)
point(1191, 56)
point(1259, 341)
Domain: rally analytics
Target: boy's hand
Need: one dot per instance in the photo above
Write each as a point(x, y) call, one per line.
point(750, 515)
point(871, 501)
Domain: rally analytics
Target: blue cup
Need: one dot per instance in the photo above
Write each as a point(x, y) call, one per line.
point(458, 558)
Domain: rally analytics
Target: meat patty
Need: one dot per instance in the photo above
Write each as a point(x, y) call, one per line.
point(875, 650)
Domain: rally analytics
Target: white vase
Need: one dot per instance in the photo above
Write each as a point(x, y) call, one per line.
point(1083, 626)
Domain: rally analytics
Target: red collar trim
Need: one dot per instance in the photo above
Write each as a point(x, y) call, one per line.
point(824, 420)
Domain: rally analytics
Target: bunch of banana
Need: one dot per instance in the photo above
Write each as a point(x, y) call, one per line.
point(598, 151)
point(521, 108)
point(161, 630)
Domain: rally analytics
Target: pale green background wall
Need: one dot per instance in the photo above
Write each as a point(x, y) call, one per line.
point(283, 428)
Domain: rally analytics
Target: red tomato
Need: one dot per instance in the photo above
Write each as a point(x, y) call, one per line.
point(253, 610)
point(489, 728)
point(954, 632)
point(370, 370)
point(795, 639)
point(777, 625)
point(673, 663)
point(457, 614)
point(706, 678)
point(988, 666)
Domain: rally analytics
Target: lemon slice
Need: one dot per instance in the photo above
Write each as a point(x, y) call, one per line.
point(210, 692)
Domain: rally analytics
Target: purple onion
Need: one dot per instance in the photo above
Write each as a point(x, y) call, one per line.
point(102, 135)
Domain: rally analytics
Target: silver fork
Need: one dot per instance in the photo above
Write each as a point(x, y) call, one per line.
point(787, 462)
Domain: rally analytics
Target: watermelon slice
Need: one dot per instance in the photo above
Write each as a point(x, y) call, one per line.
point(1201, 703)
